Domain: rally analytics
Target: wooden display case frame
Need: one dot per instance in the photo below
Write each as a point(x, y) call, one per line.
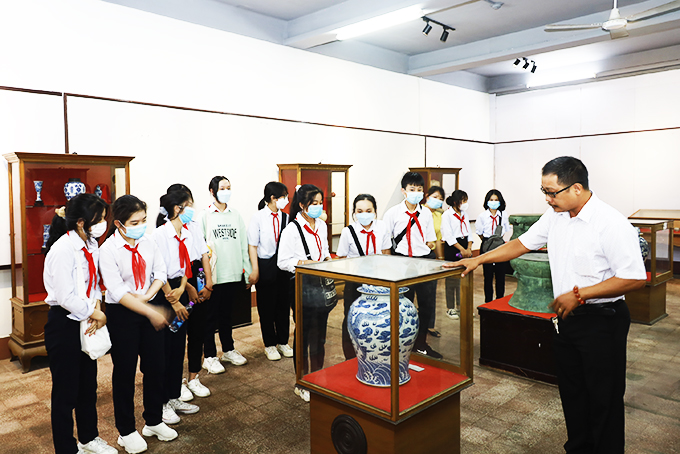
point(429, 172)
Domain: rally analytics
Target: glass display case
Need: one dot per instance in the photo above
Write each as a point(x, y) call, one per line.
point(446, 177)
point(39, 183)
point(364, 386)
point(332, 180)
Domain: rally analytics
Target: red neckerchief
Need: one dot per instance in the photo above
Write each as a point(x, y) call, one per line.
point(412, 217)
point(462, 221)
point(138, 266)
point(184, 260)
point(277, 226)
point(91, 268)
point(316, 237)
point(369, 236)
point(494, 222)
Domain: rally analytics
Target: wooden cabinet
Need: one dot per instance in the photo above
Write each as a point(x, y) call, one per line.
point(36, 188)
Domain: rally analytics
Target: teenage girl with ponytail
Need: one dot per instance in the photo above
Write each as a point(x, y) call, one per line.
point(273, 305)
point(73, 294)
point(309, 230)
point(134, 271)
point(174, 243)
point(367, 236)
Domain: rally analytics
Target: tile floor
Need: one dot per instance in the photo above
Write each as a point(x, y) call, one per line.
point(253, 408)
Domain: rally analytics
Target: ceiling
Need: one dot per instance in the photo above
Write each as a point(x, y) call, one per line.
point(479, 54)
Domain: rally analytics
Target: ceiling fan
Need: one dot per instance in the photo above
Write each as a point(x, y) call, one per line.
point(616, 25)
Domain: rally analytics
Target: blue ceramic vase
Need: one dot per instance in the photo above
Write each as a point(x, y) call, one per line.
point(46, 235)
point(73, 188)
point(38, 185)
point(368, 323)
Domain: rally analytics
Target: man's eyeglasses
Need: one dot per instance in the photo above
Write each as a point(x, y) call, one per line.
point(552, 195)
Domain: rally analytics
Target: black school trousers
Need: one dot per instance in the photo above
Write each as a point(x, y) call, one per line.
point(427, 302)
point(174, 345)
point(590, 354)
point(219, 317)
point(133, 336)
point(273, 308)
point(350, 295)
point(197, 325)
point(494, 271)
point(74, 383)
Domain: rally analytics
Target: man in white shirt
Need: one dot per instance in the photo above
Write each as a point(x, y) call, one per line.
point(595, 259)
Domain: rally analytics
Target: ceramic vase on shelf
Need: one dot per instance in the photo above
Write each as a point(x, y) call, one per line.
point(645, 249)
point(73, 188)
point(46, 235)
point(368, 323)
point(98, 191)
point(37, 184)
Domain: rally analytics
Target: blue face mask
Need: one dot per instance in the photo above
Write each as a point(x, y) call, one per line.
point(135, 232)
point(187, 215)
point(365, 218)
point(314, 211)
point(414, 198)
point(494, 204)
point(434, 203)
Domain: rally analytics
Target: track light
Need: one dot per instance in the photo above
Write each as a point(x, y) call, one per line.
point(517, 62)
point(526, 63)
point(445, 35)
point(533, 68)
point(495, 5)
point(427, 28)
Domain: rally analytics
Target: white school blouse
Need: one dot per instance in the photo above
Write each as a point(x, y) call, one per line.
point(486, 224)
point(291, 249)
point(169, 247)
point(59, 275)
point(597, 244)
point(115, 265)
point(347, 248)
point(263, 231)
point(453, 228)
point(396, 220)
point(200, 246)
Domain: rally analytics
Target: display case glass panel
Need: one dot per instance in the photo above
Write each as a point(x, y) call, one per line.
point(360, 363)
point(659, 236)
point(446, 178)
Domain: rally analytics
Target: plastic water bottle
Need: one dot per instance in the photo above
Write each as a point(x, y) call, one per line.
point(177, 323)
point(200, 279)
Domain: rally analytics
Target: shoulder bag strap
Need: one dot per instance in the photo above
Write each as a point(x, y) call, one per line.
point(400, 237)
point(356, 240)
point(302, 237)
point(284, 217)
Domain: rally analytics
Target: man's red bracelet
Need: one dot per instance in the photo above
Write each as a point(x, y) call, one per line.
point(578, 296)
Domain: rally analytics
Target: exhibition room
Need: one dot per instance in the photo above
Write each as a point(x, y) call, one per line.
point(501, 175)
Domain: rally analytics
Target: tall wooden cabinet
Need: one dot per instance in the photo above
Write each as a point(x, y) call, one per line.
point(36, 188)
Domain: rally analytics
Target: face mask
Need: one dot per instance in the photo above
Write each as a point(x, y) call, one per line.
point(98, 230)
point(414, 198)
point(281, 203)
point(135, 232)
point(223, 195)
point(365, 218)
point(187, 215)
point(464, 206)
point(434, 203)
point(494, 204)
point(314, 211)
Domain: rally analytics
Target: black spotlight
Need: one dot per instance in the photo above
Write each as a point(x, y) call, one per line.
point(533, 68)
point(445, 36)
point(526, 64)
point(517, 62)
point(427, 28)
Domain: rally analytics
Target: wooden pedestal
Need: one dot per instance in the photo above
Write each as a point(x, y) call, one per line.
point(648, 304)
point(517, 343)
point(28, 331)
point(434, 430)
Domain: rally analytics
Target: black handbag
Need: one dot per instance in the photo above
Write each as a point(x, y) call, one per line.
point(493, 241)
point(317, 292)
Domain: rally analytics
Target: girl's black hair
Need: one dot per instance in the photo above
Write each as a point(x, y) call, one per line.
point(272, 189)
point(169, 201)
point(434, 189)
point(121, 210)
point(305, 195)
point(86, 207)
point(456, 198)
point(361, 197)
point(500, 199)
point(180, 187)
point(214, 185)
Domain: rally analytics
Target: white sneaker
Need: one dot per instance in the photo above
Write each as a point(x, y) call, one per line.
point(97, 446)
point(302, 393)
point(169, 415)
point(213, 366)
point(285, 350)
point(272, 353)
point(182, 407)
point(132, 443)
point(163, 432)
point(452, 314)
point(234, 357)
point(185, 394)
point(196, 387)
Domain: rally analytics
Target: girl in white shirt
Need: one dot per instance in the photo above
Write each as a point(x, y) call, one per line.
point(72, 245)
point(273, 305)
point(307, 229)
point(486, 225)
point(133, 272)
point(174, 242)
point(457, 238)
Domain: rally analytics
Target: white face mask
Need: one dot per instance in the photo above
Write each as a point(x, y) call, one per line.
point(464, 206)
point(223, 195)
point(98, 230)
point(281, 203)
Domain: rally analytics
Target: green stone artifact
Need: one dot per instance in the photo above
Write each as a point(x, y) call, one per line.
point(534, 284)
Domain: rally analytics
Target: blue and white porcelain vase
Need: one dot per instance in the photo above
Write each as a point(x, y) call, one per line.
point(46, 235)
point(645, 249)
point(73, 188)
point(98, 191)
point(368, 323)
point(38, 184)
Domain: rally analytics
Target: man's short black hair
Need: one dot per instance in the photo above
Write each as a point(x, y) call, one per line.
point(569, 170)
point(413, 178)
